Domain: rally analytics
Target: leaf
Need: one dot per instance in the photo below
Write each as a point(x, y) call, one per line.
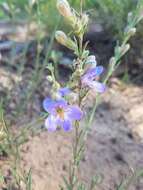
point(68, 187)
point(29, 180)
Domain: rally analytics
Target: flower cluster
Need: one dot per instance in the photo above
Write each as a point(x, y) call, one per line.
point(61, 113)
point(89, 79)
point(62, 106)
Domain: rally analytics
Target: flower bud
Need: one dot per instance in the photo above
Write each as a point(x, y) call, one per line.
point(49, 78)
point(91, 60)
point(64, 8)
point(64, 40)
point(61, 37)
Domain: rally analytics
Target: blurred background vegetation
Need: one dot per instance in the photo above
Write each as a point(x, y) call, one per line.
point(112, 13)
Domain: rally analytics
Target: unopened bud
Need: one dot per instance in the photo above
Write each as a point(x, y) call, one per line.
point(61, 37)
point(49, 78)
point(64, 40)
point(91, 60)
point(64, 8)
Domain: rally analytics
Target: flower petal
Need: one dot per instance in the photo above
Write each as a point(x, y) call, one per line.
point(97, 86)
point(74, 113)
point(61, 103)
point(51, 123)
point(66, 125)
point(84, 80)
point(93, 72)
point(64, 91)
point(48, 105)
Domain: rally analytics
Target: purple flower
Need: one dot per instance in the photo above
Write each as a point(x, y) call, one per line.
point(89, 79)
point(64, 91)
point(61, 114)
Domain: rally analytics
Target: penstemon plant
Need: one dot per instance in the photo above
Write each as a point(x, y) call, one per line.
point(64, 107)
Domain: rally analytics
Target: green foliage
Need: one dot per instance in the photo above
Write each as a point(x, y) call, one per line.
point(112, 13)
point(129, 180)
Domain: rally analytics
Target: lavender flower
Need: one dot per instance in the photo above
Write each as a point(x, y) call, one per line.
point(61, 114)
point(61, 93)
point(64, 91)
point(89, 79)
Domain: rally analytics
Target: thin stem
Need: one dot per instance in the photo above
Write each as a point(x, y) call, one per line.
point(81, 6)
point(75, 152)
point(76, 146)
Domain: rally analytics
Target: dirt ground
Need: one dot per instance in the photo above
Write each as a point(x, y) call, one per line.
point(114, 145)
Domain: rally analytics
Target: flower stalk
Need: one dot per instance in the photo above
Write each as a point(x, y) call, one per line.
point(66, 113)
